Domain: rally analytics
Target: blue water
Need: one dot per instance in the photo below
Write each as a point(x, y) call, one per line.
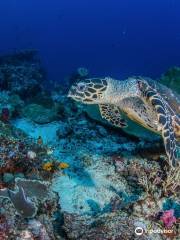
point(110, 37)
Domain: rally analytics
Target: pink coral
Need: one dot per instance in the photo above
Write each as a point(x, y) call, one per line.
point(168, 218)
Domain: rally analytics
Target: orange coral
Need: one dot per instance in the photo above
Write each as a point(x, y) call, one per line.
point(48, 166)
point(53, 166)
point(63, 165)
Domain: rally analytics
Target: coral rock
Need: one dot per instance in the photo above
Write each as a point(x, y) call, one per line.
point(39, 114)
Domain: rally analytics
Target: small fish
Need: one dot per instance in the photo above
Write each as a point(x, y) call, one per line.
point(40, 140)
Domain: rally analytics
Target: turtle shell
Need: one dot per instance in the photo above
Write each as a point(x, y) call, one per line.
point(171, 97)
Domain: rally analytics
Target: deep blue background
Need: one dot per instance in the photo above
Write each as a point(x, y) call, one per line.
point(110, 37)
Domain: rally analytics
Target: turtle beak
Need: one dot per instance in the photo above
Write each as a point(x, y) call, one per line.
point(75, 95)
point(69, 94)
point(72, 92)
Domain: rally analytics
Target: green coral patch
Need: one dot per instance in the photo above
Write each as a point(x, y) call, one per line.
point(172, 79)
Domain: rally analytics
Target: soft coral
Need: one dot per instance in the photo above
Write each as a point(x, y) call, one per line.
point(168, 218)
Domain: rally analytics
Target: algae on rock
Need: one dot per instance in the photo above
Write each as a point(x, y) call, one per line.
point(39, 114)
point(172, 79)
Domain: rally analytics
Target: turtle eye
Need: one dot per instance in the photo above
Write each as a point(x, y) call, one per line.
point(81, 87)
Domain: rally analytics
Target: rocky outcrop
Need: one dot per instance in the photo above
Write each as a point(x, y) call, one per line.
point(39, 114)
point(21, 73)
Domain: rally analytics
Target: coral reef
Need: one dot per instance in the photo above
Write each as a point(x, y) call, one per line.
point(172, 78)
point(65, 174)
point(10, 105)
point(21, 73)
point(19, 156)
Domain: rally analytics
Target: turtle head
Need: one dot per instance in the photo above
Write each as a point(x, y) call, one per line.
point(89, 91)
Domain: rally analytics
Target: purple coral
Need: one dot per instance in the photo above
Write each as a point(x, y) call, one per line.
point(168, 218)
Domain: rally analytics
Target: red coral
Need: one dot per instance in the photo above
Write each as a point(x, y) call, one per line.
point(5, 115)
point(10, 167)
point(3, 185)
point(168, 218)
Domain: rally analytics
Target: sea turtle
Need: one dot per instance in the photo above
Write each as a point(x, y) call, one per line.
point(144, 101)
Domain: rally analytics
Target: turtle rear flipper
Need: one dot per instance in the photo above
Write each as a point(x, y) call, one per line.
point(112, 114)
point(165, 119)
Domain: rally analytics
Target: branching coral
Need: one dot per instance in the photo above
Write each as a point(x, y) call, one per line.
point(171, 185)
point(151, 182)
point(148, 176)
point(157, 182)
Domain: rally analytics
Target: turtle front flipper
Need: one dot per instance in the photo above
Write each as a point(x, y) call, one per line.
point(112, 114)
point(176, 124)
point(165, 119)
